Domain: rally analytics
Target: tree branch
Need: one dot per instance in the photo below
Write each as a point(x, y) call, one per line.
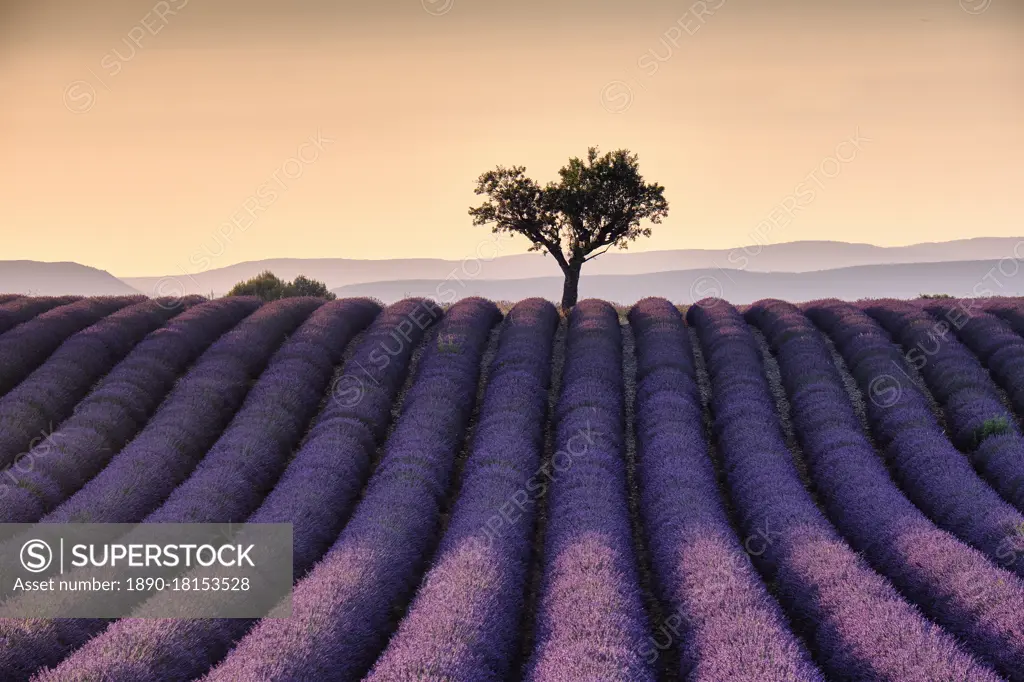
point(591, 257)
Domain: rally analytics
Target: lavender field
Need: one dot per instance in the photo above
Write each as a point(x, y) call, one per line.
point(822, 491)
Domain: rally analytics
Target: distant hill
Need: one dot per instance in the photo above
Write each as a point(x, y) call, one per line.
point(907, 280)
point(793, 257)
point(56, 279)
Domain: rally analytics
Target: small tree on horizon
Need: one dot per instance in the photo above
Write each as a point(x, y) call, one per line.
point(597, 204)
point(269, 287)
point(304, 286)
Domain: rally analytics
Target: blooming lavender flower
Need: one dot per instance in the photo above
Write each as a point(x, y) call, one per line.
point(235, 475)
point(115, 410)
point(21, 309)
point(187, 424)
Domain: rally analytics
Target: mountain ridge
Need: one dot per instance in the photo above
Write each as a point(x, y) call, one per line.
point(788, 257)
point(888, 280)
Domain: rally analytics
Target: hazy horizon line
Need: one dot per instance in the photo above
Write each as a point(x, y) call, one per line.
point(524, 252)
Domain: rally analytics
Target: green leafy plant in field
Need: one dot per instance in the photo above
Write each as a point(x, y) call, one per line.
point(996, 426)
point(447, 343)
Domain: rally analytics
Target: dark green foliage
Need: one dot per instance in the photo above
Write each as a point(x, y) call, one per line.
point(598, 203)
point(303, 286)
point(269, 287)
point(991, 427)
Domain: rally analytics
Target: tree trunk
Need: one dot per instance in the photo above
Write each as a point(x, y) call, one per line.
point(571, 288)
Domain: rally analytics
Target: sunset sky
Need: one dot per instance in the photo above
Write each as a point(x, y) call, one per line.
point(133, 133)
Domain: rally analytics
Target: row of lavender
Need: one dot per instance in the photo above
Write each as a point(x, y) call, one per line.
point(704, 577)
point(141, 475)
point(930, 470)
point(84, 479)
point(950, 581)
point(980, 423)
point(480, 569)
point(111, 414)
point(590, 621)
point(19, 309)
point(27, 345)
point(317, 487)
point(728, 626)
point(341, 611)
point(257, 440)
point(49, 394)
point(859, 625)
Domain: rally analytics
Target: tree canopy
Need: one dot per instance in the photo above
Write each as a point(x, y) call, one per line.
point(270, 287)
point(598, 203)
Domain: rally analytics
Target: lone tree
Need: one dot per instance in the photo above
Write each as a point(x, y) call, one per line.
point(270, 287)
point(598, 203)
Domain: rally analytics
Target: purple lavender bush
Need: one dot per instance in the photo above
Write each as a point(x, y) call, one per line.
point(188, 423)
point(245, 462)
point(992, 341)
point(342, 610)
point(464, 620)
point(953, 374)
point(727, 625)
point(237, 472)
point(590, 621)
point(936, 477)
point(1010, 310)
point(953, 583)
point(860, 628)
point(25, 347)
point(116, 409)
point(75, 472)
point(47, 396)
point(1000, 455)
point(315, 494)
point(21, 309)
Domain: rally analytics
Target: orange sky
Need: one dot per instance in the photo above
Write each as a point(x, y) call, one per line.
point(135, 158)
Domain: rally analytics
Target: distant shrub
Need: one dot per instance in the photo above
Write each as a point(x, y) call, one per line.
point(934, 296)
point(269, 287)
